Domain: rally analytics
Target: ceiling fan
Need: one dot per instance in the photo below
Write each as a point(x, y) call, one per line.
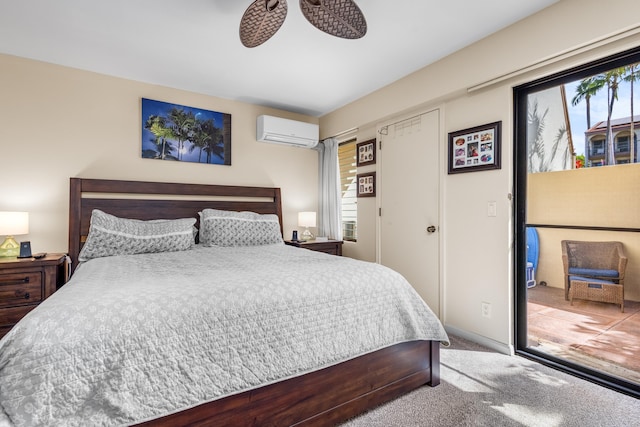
point(340, 18)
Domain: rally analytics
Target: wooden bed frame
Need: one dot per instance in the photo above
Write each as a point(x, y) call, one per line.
point(325, 397)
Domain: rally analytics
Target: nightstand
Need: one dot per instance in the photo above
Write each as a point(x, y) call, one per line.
point(333, 247)
point(25, 283)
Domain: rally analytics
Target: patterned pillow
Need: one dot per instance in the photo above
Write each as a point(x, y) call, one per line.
point(110, 235)
point(229, 228)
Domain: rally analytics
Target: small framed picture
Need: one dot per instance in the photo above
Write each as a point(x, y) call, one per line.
point(366, 184)
point(366, 153)
point(475, 149)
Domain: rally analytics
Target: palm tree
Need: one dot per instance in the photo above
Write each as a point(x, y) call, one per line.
point(203, 132)
point(631, 77)
point(182, 127)
point(215, 145)
point(585, 90)
point(157, 125)
point(612, 79)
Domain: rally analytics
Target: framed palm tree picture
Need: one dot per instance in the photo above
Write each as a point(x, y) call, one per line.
point(185, 134)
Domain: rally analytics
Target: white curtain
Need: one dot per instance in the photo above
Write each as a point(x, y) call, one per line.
point(330, 203)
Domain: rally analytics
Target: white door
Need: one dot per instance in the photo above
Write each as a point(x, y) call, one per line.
point(408, 194)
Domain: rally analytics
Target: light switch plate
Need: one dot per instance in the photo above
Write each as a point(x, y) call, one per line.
point(492, 209)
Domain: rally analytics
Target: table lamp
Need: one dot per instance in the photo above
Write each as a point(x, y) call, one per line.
point(306, 220)
point(12, 224)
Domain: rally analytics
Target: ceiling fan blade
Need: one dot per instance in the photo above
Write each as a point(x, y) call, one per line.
point(340, 18)
point(261, 20)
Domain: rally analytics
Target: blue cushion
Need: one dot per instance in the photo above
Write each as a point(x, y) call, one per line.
point(590, 280)
point(593, 272)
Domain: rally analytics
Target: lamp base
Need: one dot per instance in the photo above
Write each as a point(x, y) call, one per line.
point(306, 235)
point(9, 248)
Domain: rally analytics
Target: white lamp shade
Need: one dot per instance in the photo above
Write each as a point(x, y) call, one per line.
point(14, 223)
point(306, 219)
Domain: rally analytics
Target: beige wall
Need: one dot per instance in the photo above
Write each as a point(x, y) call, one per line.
point(592, 197)
point(596, 197)
point(59, 122)
point(477, 253)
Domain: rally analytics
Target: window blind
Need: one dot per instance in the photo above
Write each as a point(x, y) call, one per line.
point(348, 170)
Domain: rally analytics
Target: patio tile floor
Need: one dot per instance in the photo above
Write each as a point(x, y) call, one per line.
point(591, 333)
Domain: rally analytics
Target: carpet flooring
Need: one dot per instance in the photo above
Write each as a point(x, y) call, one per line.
point(483, 388)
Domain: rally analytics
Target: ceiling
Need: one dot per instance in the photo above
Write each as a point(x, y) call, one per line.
point(194, 45)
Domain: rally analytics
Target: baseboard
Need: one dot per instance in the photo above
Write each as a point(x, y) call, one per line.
point(479, 339)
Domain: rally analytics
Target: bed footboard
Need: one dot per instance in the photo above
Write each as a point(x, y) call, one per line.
point(326, 397)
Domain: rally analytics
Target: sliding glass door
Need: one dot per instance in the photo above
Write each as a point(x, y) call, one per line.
point(577, 221)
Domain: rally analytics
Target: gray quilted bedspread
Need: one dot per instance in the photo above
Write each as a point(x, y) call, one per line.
point(131, 338)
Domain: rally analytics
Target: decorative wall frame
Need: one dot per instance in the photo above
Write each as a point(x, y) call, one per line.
point(185, 134)
point(366, 153)
point(366, 184)
point(475, 149)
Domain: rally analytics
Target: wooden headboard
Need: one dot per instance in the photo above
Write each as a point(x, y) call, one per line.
point(158, 200)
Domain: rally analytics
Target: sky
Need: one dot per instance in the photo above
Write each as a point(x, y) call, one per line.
point(578, 114)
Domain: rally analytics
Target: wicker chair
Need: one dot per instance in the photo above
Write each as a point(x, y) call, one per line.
point(605, 262)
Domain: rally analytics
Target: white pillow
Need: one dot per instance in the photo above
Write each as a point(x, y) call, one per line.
point(110, 235)
point(230, 228)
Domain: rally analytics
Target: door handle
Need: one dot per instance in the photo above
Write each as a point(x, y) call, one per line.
point(431, 229)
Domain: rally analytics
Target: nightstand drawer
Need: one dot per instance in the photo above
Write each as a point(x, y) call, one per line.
point(332, 247)
point(20, 288)
point(25, 283)
point(11, 316)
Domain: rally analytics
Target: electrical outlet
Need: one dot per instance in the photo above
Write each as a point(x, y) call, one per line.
point(486, 310)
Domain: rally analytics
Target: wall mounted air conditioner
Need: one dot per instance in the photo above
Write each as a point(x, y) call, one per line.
point(284, 131)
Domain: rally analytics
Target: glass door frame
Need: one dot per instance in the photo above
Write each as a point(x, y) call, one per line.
point(520, 94)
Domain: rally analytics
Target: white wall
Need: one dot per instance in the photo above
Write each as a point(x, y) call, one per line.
point(59, 122)
point(477, 254)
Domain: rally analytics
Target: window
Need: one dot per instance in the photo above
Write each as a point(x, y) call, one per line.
point(597, 147)
point(347, 163)
point(622, 144)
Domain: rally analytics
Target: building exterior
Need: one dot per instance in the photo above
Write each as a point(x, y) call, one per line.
point(550, 147)
point(596, 141)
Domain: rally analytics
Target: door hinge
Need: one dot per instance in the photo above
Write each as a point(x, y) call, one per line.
point(380, 144)
point(379, 211)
